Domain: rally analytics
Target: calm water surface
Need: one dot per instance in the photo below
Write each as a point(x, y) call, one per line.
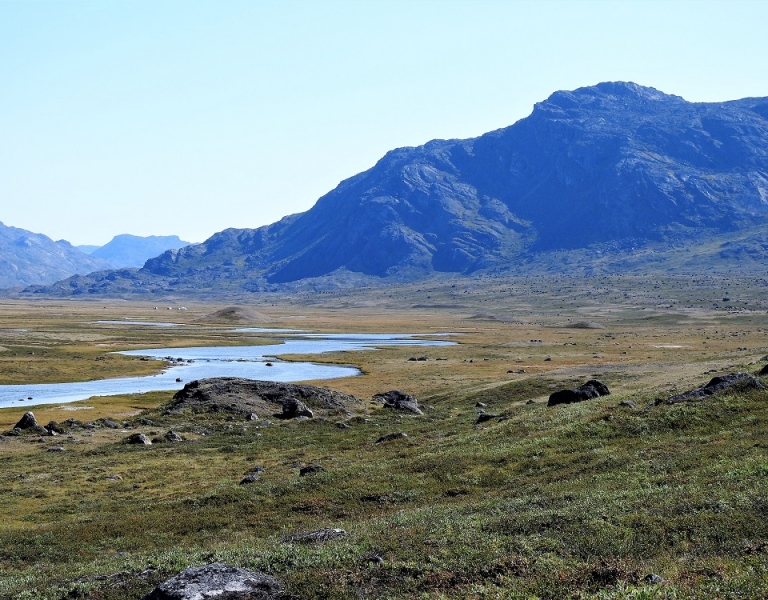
point(217, 361)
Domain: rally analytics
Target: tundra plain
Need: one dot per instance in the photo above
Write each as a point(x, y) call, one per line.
point(577, 501)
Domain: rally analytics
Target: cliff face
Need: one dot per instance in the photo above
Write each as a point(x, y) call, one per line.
point(616, 164)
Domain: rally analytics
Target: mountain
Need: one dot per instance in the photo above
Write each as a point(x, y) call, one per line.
point(88, 249)
point(28, 258)
point(613, 176)
point(133, 251)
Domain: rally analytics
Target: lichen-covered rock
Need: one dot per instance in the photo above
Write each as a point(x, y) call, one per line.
point(397, 400)
point(732, 381)
point(220, 582)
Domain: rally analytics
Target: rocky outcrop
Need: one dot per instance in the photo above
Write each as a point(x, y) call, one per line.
point(247, 396)
point(592, 389)
point(397, 400)
point(731, 382)
point(220, 582)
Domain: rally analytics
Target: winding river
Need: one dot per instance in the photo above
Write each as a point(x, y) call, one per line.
point(253, 362)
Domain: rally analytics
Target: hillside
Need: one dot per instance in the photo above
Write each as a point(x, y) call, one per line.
point(28, 258)
point(603, 177)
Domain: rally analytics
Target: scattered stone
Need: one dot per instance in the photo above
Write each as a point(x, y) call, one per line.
point(391, 436)
point(628, 404)
point(397, 400)
point(653, 579)
point(28, 421)
point(250, 478)
point(315, 537)
point(257, 469)
point(592, 389)
point(110, 423)
point(342, 425)
point(374, 560)
point(548, 359)
point(293, 409)
point(481, 405)
point(483, 417)
point(113, 478)
point(310, 470)
point(138, 438)
point(252, 417)
point(147, 422)
point(733, 381)
point(172, 436)
point(55, 449)
point(217, 580)
point(530, 401)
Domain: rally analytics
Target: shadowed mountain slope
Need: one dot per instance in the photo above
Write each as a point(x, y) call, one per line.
point(615, 166)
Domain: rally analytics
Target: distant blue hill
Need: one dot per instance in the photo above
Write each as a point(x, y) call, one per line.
point(127, 250)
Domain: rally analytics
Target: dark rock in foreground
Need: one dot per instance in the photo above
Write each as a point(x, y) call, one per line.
point(397, 400)
point(390, 437)
point(763, 371)
point(733, 381)
point(310, 470)
point(592, 389)
point(223, 582)
point(248, 396)
point(138, 438)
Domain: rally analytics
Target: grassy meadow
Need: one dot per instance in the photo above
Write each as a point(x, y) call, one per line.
point(577, 501)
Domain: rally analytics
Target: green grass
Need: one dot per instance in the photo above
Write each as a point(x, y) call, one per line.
point(576, 501)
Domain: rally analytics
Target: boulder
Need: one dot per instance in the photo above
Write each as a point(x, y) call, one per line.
point(763, 371)
point(138, 438)
point(220, 582)
point(54, 427)
point(592, 389)
point(484, 416)
point(250, 478)
point(111, 424)
point(732, 381)
point(293, 408)
point(172, 436)
point(397, 400)
point(28, 421)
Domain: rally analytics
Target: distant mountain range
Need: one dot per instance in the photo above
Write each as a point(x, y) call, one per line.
point(127, 250)
point(28, 258)
point(604, 178)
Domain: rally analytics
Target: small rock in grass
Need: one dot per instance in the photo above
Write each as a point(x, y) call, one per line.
point(138, 438)
point(310, 470)
point(110, 423)
point(391, 436)
point(483, 417)
point(342, 425)
point(628, 404)
point(653, 579)
point(250, 478)
point(217, 580)
point(252, 417)
point(315, 537)
point(55, 449)
point(172, 436)
point(481, 405)
point(397, 400)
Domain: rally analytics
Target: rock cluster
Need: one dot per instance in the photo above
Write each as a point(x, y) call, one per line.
point(247, 397)
point(733, 381)
point(592, 389)
point(397, 400)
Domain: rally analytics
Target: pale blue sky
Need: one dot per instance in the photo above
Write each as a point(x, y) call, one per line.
point(184, 117)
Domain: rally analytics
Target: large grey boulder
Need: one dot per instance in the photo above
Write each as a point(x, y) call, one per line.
point(28, 421)
point(293, 408)
point(220, 582)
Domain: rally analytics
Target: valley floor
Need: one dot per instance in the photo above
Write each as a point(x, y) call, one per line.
point(582, 501)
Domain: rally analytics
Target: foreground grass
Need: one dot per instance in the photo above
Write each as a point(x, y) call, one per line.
point(573, 501)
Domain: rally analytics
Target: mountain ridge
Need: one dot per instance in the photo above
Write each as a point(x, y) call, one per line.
point(615, 164)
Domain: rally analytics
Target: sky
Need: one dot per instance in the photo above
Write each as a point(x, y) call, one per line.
point(185, 118)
